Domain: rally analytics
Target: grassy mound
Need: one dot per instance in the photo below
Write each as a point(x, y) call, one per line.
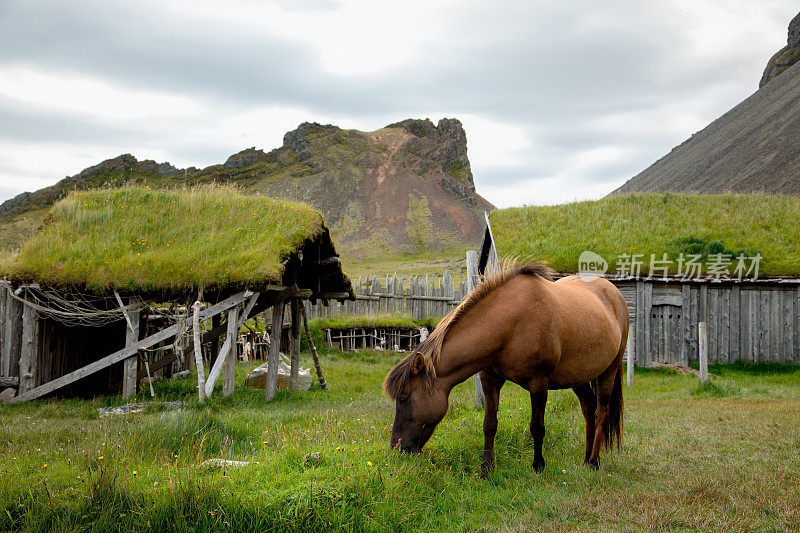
point(143, 240)
point(656, 224)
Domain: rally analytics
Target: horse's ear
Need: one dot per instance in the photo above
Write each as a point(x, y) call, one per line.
point(417, 364)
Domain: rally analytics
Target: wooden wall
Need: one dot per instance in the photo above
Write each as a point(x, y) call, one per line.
point(746, 321)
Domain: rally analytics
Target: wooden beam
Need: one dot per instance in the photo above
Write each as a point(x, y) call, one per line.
point(130, 367)
point(126, 352)
point(472, 278)
point(274, 351)
point(29, 350)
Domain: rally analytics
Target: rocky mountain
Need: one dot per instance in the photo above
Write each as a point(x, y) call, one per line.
point(404, 188)
point(754, 147)
point(786, 56)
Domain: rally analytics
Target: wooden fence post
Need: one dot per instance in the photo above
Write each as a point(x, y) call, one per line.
point(130, 366)
point(702, 333)
point(472, 276)
point(29, 350)
point(294, 344)
point(274, 351)
point(5, 364)
point(630, 351)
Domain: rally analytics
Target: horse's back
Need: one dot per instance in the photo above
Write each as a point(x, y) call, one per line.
point(594, 326)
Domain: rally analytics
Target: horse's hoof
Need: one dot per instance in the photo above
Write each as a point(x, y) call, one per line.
point(538, 466)
point(486, 470)
point(594, 465)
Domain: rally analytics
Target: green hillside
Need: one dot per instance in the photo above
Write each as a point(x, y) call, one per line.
point(656, 224)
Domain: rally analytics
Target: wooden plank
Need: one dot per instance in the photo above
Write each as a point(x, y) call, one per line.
point(788, 326)
point(684, 321)
point(126, 352)
point(314, 356)
point(294, 343)
point(712, 307)
point(735, 324)
point(668, 299)
point(629, 357)
point(796, 354)
point(12, 334)
point(702, 335)
point(234, 325)
point(130, 366)
point(5, 364)
point(641, 318)
point(29, 349)
point(647, 307)
point(724, 325)
point(745, 325)
point(274, 352)
point(762, 353)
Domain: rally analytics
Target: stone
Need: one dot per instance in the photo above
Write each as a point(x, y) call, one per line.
point(7, 394)
point(257, 378)
point(222, 464)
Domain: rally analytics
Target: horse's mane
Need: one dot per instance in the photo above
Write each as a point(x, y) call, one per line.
point(431, 348)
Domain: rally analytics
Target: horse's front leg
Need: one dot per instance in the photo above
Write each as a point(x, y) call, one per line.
point(491, 384)
point(538, 390)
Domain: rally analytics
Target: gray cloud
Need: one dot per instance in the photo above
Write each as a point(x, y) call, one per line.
point(553, 71)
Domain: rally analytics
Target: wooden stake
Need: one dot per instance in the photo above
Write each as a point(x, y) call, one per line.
point(631, 358)
point(29, 351)
point(274, 351)
point(294, 343)
point(130, 366)
point(314, 356)
point(198, 354)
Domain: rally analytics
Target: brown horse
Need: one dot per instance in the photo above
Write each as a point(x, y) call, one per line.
point(519, 325)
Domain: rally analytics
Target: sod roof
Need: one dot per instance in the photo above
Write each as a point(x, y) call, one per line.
point(656, 224)
point(144, 241)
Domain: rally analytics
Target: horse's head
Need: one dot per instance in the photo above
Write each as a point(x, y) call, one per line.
point(420, 405)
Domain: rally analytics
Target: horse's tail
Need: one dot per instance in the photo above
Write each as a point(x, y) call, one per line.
point(612, 429)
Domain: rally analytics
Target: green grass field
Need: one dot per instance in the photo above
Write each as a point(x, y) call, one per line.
point(725, 456)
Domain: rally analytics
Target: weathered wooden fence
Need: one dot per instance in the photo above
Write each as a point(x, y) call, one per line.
point(431, 295)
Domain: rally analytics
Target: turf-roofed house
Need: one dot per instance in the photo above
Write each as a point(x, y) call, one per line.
point(122, 284)
point(721, 271)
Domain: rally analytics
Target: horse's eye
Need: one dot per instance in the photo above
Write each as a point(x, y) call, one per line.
point(402, 399)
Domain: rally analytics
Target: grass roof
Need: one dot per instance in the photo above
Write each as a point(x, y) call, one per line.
point(656, 224)
point(141, 240)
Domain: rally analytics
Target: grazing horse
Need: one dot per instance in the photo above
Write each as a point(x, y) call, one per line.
point(520, 326)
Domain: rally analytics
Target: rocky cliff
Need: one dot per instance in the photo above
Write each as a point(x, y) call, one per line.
point(405, 188)
point(754, 147)
point(786, 56)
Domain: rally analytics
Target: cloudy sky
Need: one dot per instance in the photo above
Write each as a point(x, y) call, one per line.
point(560, 100)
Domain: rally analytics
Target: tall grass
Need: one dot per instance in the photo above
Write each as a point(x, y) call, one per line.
point(655, 224)
point(688, 461)
point(139, 239)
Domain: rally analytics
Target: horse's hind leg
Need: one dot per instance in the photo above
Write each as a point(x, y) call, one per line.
point(491, 384)
point(588, 406)
point(605, 388)
point(538, 390)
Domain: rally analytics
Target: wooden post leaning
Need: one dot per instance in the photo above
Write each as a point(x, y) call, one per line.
point(472, 276)
point(29, 350)
point(314, 356)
